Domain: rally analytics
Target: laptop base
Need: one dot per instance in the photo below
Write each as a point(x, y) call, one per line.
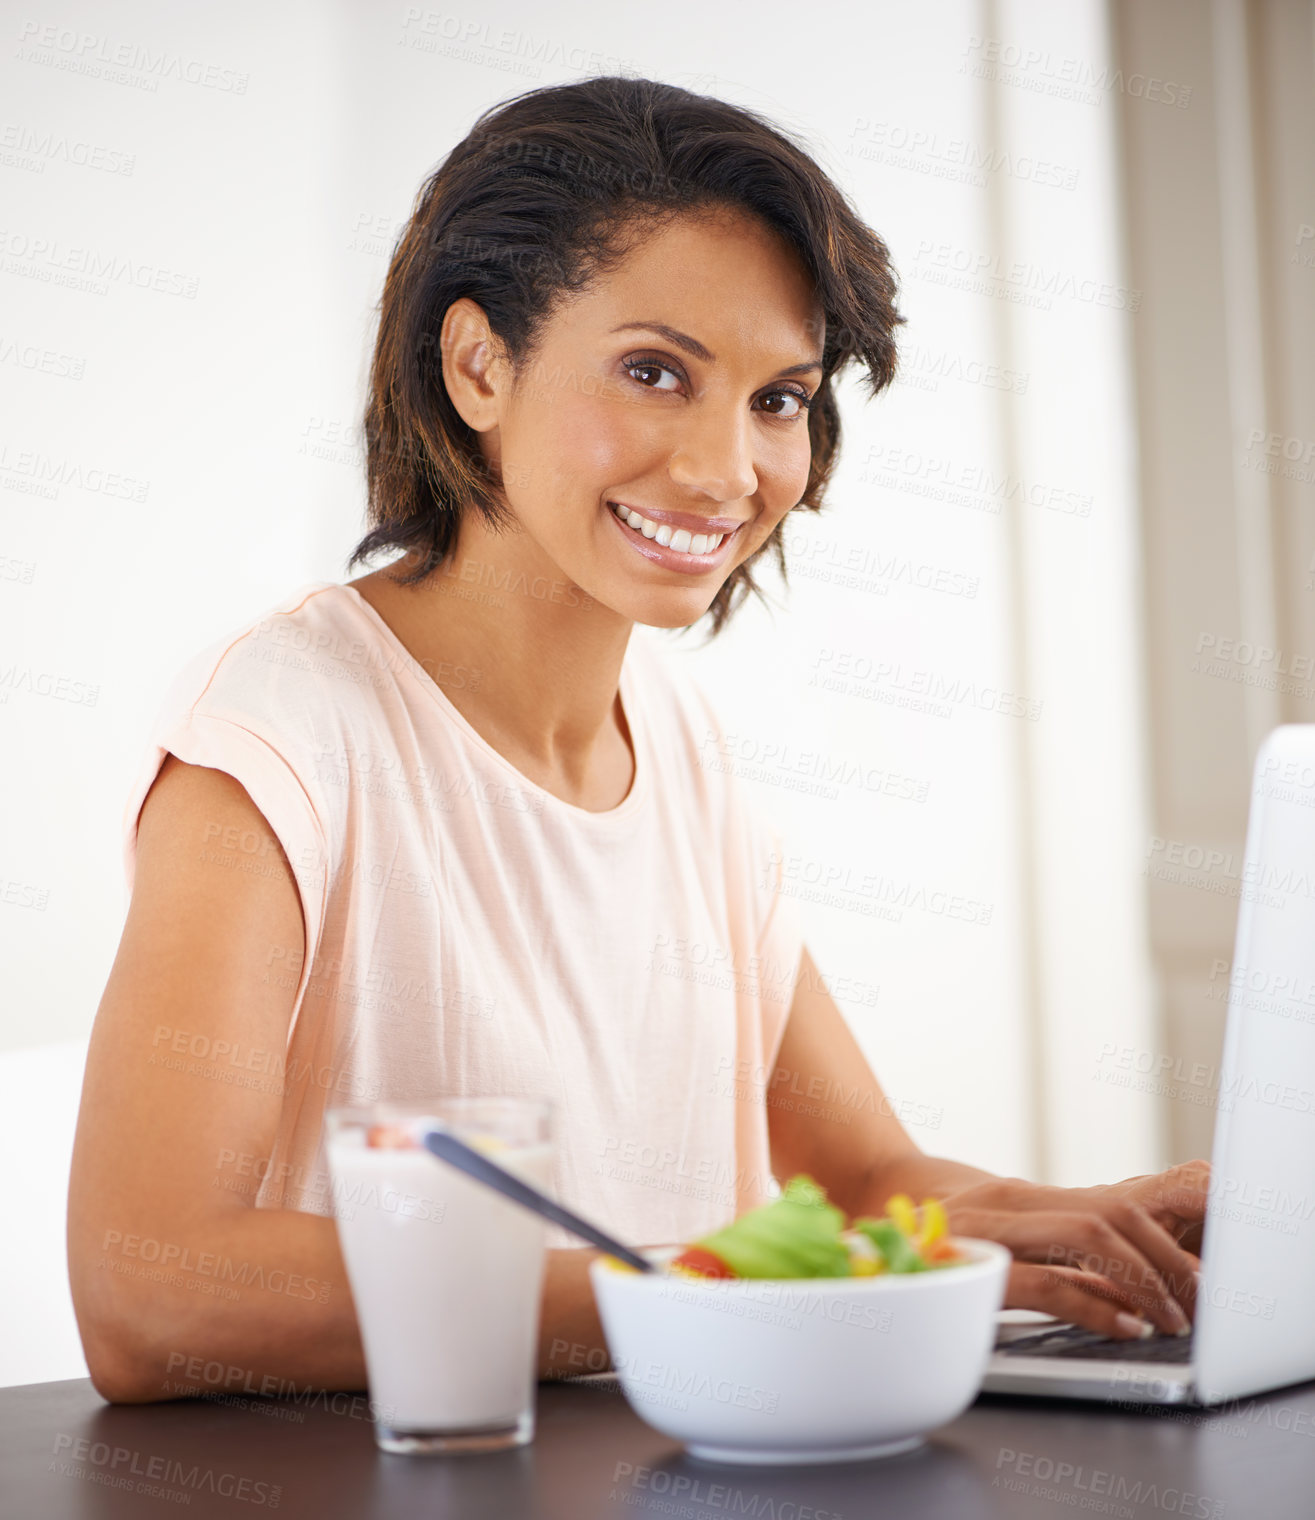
point(1115, 1384)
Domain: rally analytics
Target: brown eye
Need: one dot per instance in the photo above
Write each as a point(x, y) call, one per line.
point(651, 366)
point(804, 403)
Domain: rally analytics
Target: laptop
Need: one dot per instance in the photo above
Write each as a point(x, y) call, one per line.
point(1255, 1308)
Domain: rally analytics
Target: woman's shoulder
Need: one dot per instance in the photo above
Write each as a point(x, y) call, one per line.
point(689, 740)
point(280, 663)
point(289, 682)
point(697, 766)
point(255, 704)
point(675, 697)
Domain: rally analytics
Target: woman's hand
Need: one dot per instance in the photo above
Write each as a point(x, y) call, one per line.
point(1098, 1256)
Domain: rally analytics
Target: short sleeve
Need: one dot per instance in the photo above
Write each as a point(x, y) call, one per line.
point(272, 784)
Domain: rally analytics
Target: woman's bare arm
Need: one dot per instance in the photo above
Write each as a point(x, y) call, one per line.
point(1089, 1255)
point(171, 1265)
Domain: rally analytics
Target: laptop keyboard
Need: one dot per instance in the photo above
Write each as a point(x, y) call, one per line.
point(1073, 1341)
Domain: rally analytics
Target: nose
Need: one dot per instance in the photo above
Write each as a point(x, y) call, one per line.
point(715, 454)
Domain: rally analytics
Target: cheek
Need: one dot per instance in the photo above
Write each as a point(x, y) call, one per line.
point(588, 437)
point(785, 468)
point(591, 443)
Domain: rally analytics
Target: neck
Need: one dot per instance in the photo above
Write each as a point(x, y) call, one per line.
point(549, 658)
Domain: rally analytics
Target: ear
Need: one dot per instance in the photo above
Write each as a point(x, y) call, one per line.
point(474, 366)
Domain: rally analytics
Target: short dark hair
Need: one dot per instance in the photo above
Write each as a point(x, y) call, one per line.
point(531, 206)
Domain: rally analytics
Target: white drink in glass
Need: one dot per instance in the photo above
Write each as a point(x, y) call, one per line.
point(445, 1273)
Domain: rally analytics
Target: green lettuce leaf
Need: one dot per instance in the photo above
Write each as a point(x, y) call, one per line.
point(796, 1235)
point(899, 1252)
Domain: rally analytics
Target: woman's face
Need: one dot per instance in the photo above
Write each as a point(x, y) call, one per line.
point(676, 388)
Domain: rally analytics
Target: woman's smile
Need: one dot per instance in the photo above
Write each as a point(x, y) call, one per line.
point(664, 538)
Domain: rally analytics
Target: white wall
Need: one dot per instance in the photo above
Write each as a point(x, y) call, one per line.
point(265, 201)
point(1220, 207)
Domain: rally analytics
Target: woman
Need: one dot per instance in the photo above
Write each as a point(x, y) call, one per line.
point(445, 827)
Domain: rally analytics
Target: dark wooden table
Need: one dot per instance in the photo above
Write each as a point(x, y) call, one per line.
point(65, 1453)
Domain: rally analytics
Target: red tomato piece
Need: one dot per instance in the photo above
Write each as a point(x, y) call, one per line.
point(943, 1249)
point(705, 1263)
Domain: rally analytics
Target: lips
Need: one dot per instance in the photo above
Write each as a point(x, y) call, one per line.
point(675, 553)
point(685, 540)
point(689, 520)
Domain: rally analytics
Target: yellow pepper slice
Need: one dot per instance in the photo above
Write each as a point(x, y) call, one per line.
point(934, 1222)
point(617, 1265)
point(900, 1209)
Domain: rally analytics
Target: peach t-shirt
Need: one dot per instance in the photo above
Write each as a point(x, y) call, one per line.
point(468, 932)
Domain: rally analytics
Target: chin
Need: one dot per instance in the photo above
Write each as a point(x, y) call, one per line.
point(674, 622)
point(673, 610)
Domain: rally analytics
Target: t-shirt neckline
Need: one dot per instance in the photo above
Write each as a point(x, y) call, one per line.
point(630, 703)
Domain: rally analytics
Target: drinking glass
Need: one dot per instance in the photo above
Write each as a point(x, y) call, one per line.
point(445, 1273)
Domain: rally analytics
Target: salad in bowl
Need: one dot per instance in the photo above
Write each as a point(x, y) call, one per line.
point(800, 1234)
point(795, 1335)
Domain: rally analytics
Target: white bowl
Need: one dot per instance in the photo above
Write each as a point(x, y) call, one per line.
point(818, 1369)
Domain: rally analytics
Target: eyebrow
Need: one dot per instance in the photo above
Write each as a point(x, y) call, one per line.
point(693, 347)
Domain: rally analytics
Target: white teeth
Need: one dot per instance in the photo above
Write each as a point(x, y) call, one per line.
point(681, 539)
